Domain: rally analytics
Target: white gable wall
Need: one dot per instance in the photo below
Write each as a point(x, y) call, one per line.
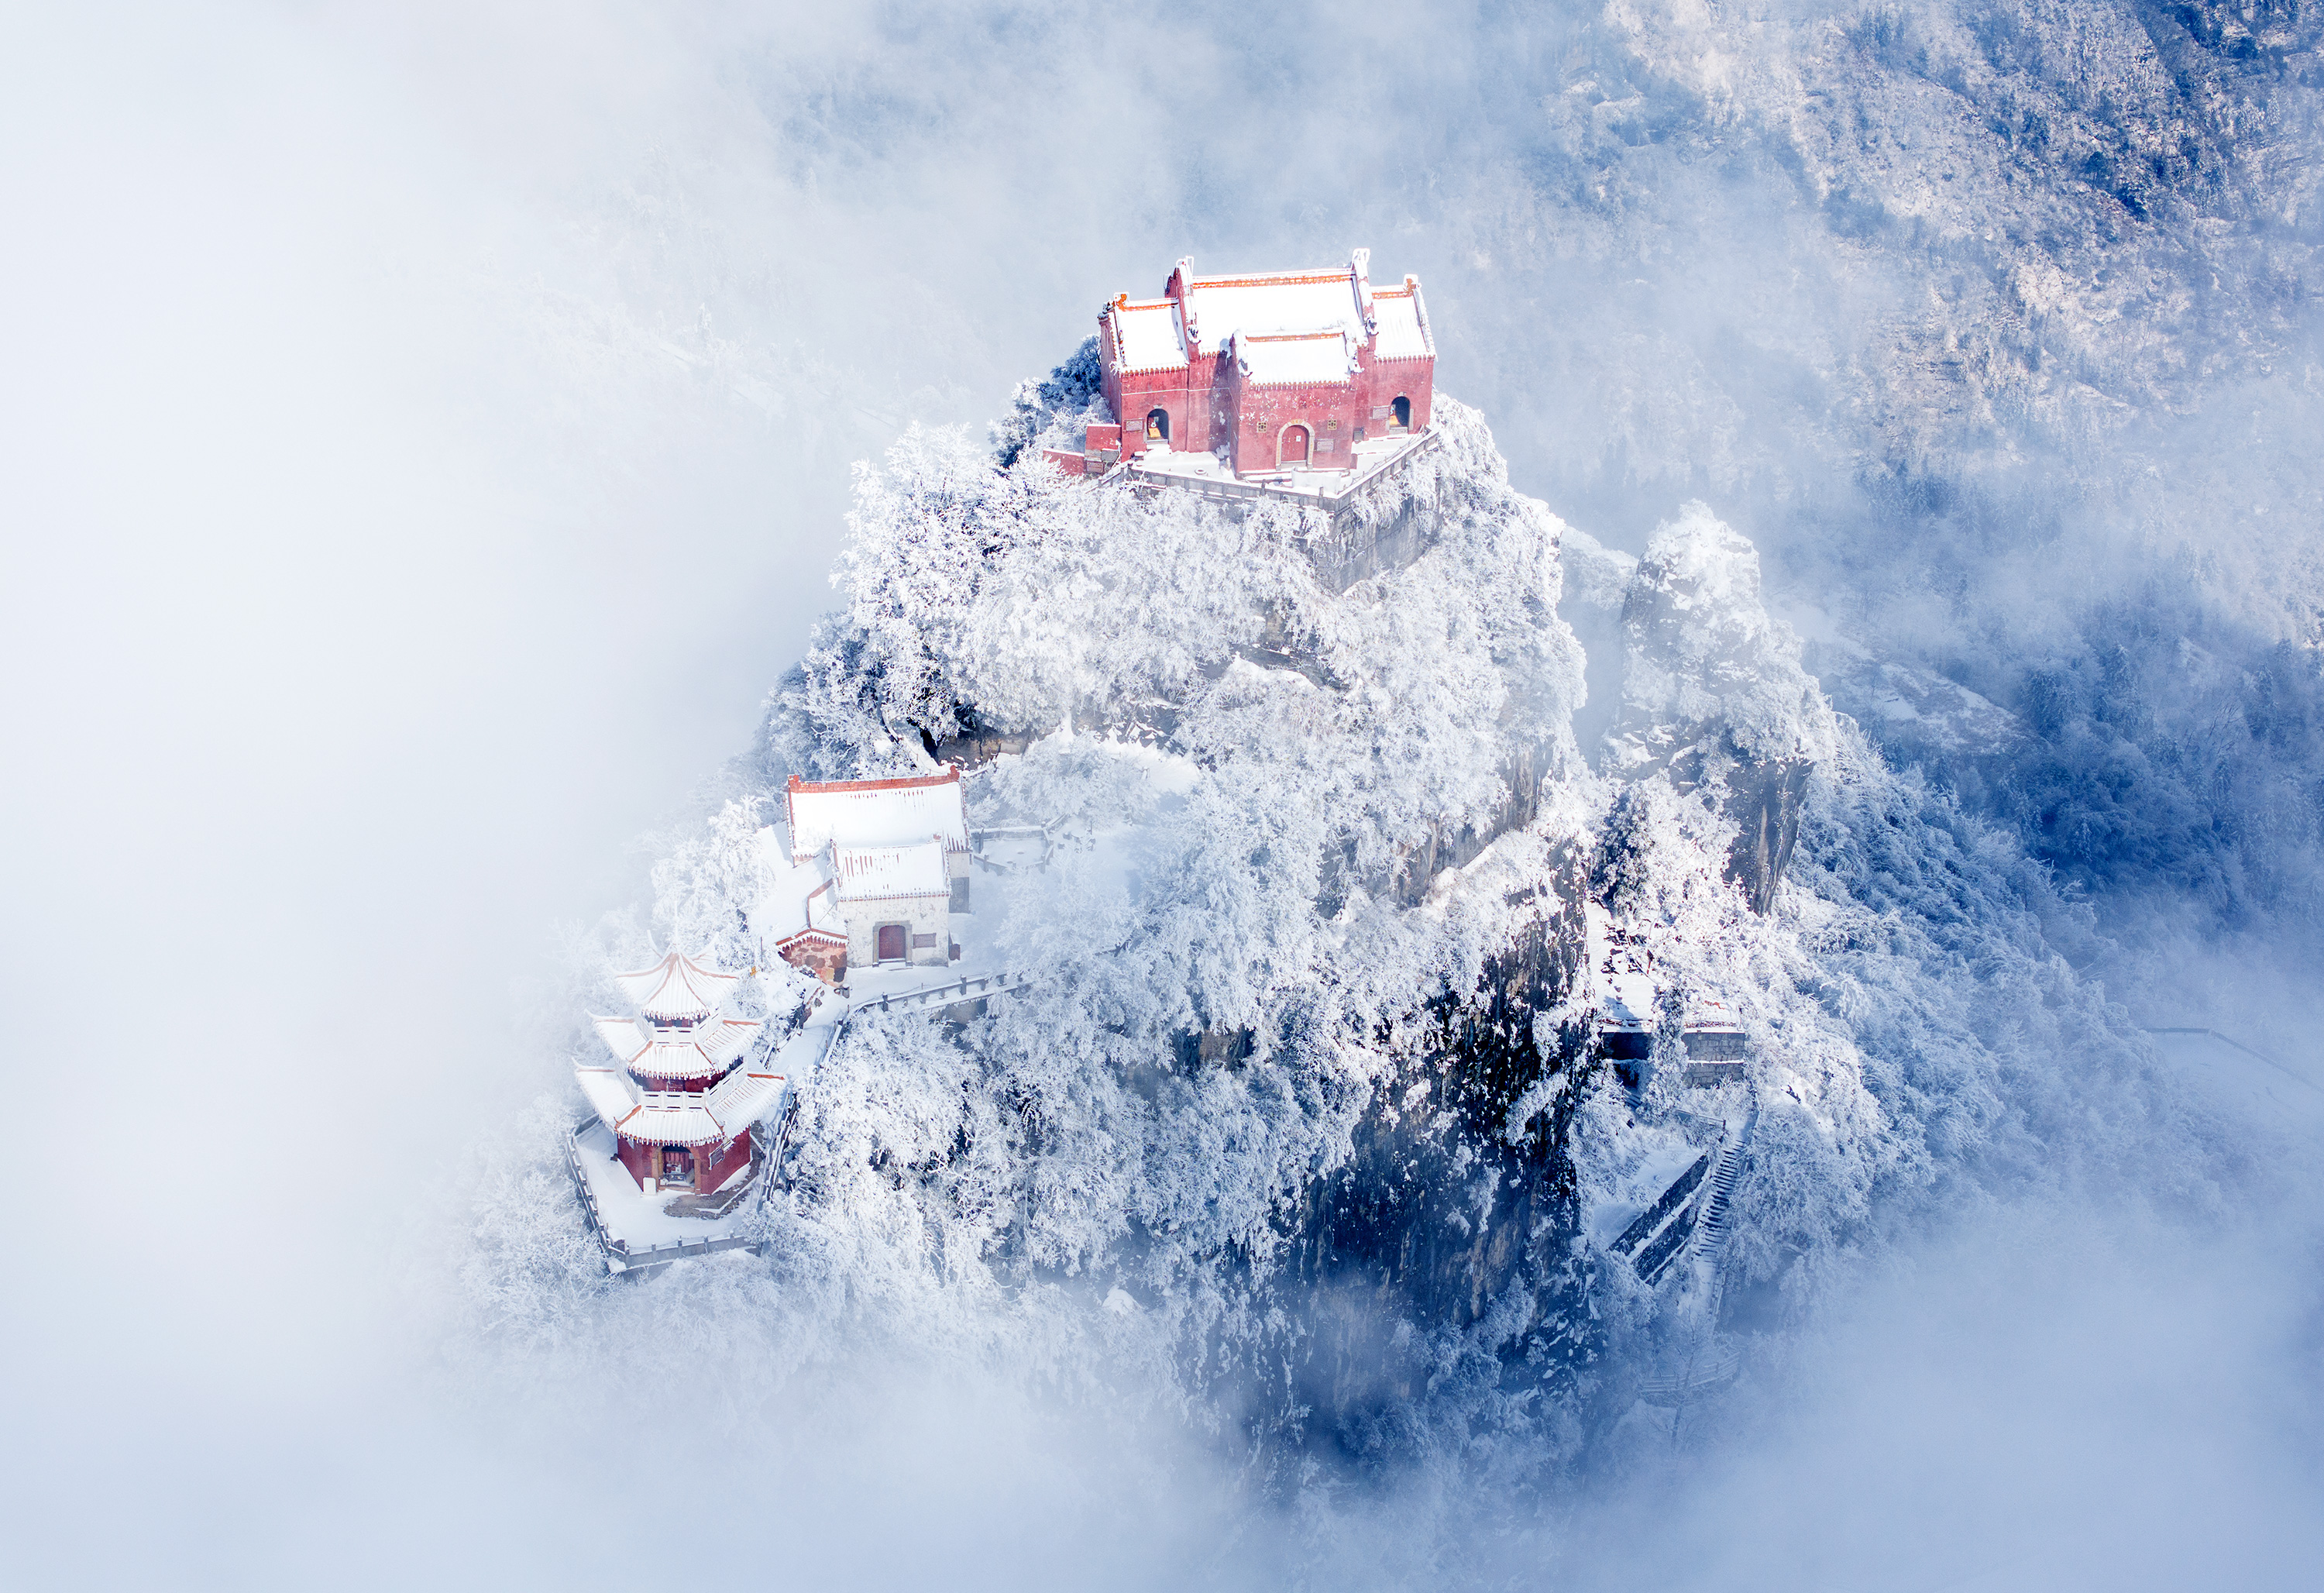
point(925, 919)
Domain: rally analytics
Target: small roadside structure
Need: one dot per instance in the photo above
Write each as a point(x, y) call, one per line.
point(678, 1098)
point(867, 872)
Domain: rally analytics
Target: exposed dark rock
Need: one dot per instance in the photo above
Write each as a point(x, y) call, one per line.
point(1764, 801)
point(1441, 1212)
point(1355, 549)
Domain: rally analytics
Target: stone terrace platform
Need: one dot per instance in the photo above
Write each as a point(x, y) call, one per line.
point(1331, 490)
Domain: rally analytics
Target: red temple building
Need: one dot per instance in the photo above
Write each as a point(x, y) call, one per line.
point(679, 1100)
point(1282, 371)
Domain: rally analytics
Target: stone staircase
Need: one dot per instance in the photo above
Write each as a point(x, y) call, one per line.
point(1710, 1227)
point(1689, 1222)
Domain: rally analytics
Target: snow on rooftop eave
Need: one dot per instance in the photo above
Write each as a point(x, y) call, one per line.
point(741, 1098)
point(622, 1037)
point(1279, 302)
point(1149, 336)
point(1390, 302)
point(1290, 359)
point(1317, 276)
point(788, 905)
point(897, 872)
point(685, 1122)
point(697, 1053)
point(609, 1093)
point(876, 813)
point(676, 986)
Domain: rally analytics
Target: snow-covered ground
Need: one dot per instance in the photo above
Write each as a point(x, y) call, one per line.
point(633, 1218)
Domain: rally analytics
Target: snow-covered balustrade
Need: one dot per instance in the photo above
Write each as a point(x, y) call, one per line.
point(633, 1236)
point(695, 1056)
point(949, 994)
point(1332, 488)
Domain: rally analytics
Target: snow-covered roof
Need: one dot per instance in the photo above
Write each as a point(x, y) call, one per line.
point(869, 872)
point(608, 1091)
point(677, 987)
point(742, 1098)
point(678, 1117)
point(1710, 1015)
point(1148, 335)
point(876, 813)
point(1274, 301)
point(621, 1036)
point(692, 1053)
point(1300, 357)
point(1627, 1000)
point(1403, 323)
point(798, 895)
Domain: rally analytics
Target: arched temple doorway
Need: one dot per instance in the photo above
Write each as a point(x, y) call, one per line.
point(1291, 447)
point(892, 943)
point(1400, 415)
point(1158, 425)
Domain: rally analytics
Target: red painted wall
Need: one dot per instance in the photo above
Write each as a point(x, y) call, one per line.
point(1208, 406)
point(713, 1169)
point(1401, 378)
point(711, 1166)
point(1333, 414)
point(638, 1158)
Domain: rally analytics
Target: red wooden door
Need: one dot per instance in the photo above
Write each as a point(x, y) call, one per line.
point(892, 943)
point(1295, 446)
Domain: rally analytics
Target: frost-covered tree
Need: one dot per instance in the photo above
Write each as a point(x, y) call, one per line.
point(704, 890)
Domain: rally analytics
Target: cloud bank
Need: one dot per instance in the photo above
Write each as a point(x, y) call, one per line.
point(430, 440)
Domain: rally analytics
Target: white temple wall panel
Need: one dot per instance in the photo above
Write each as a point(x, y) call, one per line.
point(925, 923)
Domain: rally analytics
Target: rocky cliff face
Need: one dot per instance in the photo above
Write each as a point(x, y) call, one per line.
point(1708, 690)
point(1453, 1218)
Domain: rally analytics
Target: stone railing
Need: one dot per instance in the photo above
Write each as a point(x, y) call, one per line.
point(1246, 489)
point(968, 988)
point(621, 1256)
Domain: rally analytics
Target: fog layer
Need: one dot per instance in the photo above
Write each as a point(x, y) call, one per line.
point(429, 440)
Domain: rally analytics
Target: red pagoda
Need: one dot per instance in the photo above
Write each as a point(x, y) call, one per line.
point(680, 1101)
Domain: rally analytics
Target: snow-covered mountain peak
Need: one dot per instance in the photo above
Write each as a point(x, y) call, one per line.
point(1702, 657)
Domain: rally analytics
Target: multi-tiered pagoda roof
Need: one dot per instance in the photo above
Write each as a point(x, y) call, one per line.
point(678, 1093)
